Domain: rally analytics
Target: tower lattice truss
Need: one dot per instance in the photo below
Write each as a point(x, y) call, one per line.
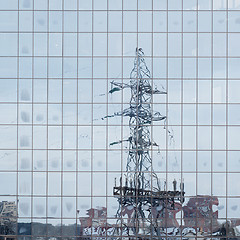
point(143, 204)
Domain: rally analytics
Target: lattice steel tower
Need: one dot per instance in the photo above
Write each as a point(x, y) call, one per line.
point(141, 191)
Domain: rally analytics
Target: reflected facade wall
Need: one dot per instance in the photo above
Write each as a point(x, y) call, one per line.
point(57, 61)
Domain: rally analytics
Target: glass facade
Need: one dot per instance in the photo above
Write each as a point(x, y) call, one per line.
point(65, 85)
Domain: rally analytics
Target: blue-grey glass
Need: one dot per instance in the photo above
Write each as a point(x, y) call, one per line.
point(233, 160)
point(40, 69)
point(129, 5)
point(231, 189)
point(219, 91)
point(24, 208)
point(189, 95)
point(189, 114)
point(190, 184)
point(69, 137)
point(69, 67)
point(204, 44)
point(39, 160)
point(204, 92)
point(54, 207)
point(55, 4)
point(159, 68)
point(174, 44)
point(174, 67)
point(39, 207)
point(70, 44)
point(8, 43)
point(24, 137)
point(69, 184)
point(69, 160)
point(233, 68)
point(174, 5)
point(54, 137)
point(190, 4)
point(145, 21)
point(189, 137)
point(189, 68)
point(233, 41)
point(233, 114)
point(219, 161)
point(129, 21)
point(219, 68)
point(189, 161)
point(39, 183)
point(204, 21)
point(40, 114)
point(70, 21)
point(204, 68)
point(84, 137)
point(99, 184)
point(100, 21)
point(219, 21)
point(54, 183)
point(115, 21)
point(233, 133)
point(189, 44)
point(54, 160)
point(39, 137)
point(204, 183)
point(204, 137)
point(219, 137)
point(69, 206)
point(219, 44)
point(84, 186)
point(9, 187)
point(232, 211)
point(233, 97)
point(189, 21)
point(204, 114)
point(204, 161)
point(115, 65)
point(8, 160)
point(70, 5)
point(69, 114)
point(174, 162)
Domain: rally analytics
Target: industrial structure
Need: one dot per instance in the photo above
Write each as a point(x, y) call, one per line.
point(141, 189)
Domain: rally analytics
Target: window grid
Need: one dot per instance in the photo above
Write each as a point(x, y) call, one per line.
point(29, 127)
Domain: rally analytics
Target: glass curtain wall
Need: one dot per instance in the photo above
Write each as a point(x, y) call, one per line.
point(58, 163)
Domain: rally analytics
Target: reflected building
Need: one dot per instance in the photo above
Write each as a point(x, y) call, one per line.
point(8, 219)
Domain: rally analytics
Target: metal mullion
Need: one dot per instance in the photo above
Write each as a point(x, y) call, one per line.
point(122, 100)
point(126, 10)
point(181, 121)
point(47, 121)
point(77, 170)
point(137, 170)
point(227, 82)
point(212, 105)
point(151, 130)
point(62, 119)
point(104, 56)
point(167, 121)
point(106, 172)
point(92, 112)
point(40, 32)
point(17, 169)
point(32, 200)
